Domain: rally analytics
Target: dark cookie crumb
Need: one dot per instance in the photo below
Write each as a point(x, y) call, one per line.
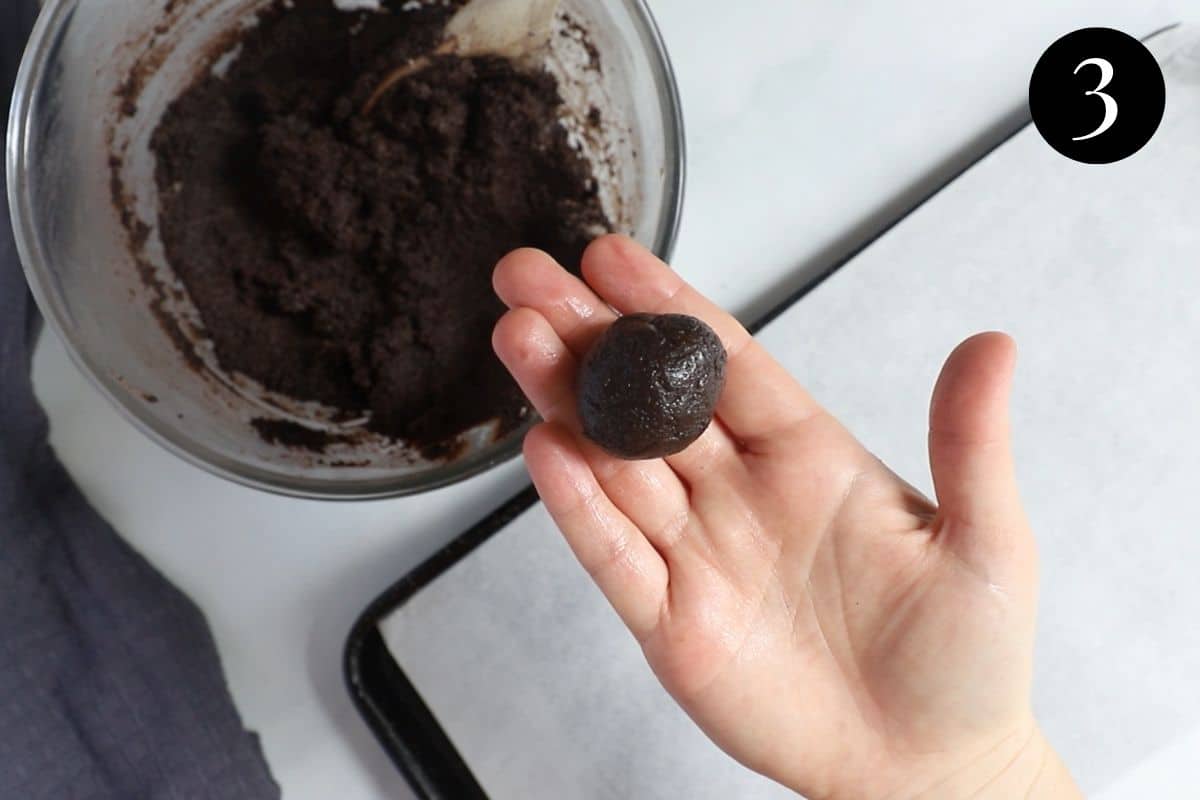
point(348, 260)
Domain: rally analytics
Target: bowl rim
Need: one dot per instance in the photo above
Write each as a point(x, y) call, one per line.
point(56, 14)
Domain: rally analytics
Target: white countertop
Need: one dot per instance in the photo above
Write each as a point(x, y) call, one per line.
point(808, 124)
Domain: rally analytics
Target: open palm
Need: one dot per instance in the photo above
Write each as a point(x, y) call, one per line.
point(822, 621)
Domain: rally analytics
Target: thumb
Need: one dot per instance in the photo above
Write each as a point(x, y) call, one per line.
point(970, 453)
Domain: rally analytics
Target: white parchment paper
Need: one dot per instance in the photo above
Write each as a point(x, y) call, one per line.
point(1096, 272)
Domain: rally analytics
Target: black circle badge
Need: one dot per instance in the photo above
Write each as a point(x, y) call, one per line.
point(1097, 95)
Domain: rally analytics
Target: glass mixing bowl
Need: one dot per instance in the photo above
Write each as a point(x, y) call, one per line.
point(96, 78)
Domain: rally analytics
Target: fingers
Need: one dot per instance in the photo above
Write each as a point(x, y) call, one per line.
point(761, 399)
point(620, 559)
point(648, 492)
point(540, 362)
point(971, 455)
point(530, 280)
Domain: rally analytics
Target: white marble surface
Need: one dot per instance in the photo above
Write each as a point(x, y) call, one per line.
point(1086, 268)
point(808, 122)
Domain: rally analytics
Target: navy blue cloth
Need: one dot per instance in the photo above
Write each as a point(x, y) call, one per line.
point(110, 683)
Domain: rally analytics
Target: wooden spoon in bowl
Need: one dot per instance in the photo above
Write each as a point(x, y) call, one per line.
point(504, 28)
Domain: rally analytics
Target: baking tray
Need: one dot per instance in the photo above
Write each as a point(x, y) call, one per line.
point(387, 700)
point(406, 727)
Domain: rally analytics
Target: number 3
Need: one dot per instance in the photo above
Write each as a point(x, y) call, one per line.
point(1110, 105)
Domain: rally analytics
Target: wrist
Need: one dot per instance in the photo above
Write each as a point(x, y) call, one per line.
point(1023, 765)
point(1048, 780)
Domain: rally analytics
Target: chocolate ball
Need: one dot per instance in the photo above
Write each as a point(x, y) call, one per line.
point(649, 386)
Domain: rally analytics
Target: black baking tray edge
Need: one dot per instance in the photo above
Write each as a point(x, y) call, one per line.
point(385, 697)
point(383, 694)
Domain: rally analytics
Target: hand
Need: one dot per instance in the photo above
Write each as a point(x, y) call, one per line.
point(821, 620)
